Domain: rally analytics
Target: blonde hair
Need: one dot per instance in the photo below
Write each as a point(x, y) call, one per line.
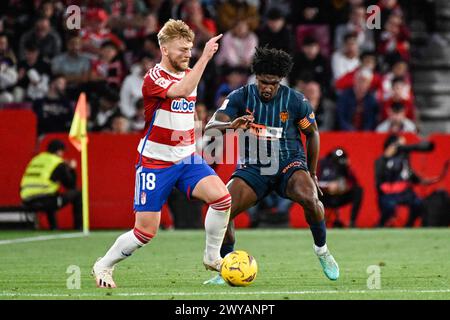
point(175, 29)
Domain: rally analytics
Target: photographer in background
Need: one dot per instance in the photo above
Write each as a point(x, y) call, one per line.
point(339, 184)
point(395, 179)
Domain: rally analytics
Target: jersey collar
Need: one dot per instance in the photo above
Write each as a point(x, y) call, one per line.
point(175, 75)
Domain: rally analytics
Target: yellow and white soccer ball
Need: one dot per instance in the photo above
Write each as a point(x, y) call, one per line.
point(239, 269)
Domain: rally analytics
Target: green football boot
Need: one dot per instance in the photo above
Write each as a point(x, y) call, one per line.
point(217, 280)
point(329, 265)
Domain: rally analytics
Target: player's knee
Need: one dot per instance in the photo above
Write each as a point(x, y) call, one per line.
point(143, 235)
point(309, 202)
point(221, 204)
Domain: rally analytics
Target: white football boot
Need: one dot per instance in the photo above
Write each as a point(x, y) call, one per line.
point(103, 276)
point(212, 265)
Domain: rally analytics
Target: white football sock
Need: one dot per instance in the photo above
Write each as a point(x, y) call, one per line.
point(216, 223)
point(320, 250)
point(124, 246)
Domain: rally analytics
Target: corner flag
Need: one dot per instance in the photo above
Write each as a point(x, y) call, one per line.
point(79, 123)
point(78, 137)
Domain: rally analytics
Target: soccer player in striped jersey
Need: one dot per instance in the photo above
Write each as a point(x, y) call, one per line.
point(166, 154)
point(275, 115)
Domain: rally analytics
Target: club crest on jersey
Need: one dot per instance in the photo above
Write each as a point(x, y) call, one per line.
point(284, 116)
point(163, 83)
point(182, 105)
point(143, 197)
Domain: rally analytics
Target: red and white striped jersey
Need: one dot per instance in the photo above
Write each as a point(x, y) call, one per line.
point(171, 137)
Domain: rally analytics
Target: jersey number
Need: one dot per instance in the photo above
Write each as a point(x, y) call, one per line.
point(148, 181)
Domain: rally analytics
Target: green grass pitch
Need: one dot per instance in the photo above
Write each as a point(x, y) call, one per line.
point(414, 264)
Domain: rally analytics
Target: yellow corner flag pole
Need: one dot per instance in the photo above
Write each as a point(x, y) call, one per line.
point(78, 137)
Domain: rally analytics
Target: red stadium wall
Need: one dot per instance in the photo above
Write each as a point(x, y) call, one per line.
point(111, 171)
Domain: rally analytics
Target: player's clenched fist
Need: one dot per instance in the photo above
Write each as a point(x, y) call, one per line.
point(211, 47)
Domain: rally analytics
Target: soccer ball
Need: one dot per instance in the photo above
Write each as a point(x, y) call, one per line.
point(239, 269)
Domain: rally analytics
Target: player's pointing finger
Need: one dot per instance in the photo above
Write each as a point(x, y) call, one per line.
point(216, 38)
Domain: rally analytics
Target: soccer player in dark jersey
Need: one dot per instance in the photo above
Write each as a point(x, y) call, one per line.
point(275, 115)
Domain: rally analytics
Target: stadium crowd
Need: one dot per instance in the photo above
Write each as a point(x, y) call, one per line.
point(356, 78)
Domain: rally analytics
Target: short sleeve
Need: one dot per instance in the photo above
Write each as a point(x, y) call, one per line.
point(156, 86)
point(233, 105)
point(305, 112)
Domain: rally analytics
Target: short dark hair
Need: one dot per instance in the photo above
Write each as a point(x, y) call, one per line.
point(350, 35)
point(309, 40)
point(109, 43)
point(368, 54)
point(274, 13)
point(31, 46)
point(271, 61)
point(397, 80)
point(55, 145)
point(397, 107)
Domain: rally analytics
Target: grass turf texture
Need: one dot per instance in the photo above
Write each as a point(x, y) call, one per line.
point(414, 264)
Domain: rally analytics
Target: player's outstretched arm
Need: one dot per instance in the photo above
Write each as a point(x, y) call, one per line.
point(184, 88)
point(221, 121)
point(312, 149)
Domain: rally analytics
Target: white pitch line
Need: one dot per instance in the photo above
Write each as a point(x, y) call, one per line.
point(43, 238)
point(138, 294)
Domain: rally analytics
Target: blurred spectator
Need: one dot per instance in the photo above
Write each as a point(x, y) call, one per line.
point(310, 61)
point(131, 89)
point(346, 59)
point(54, 112)
point(133, 23)
point(394, 39)
point(275, 33)
point(105, 109)
point(400, 94)
point(324, 109)
point(397, 122)
point(46, 39)
point(234, 78)
point(148, 46)
point(302, 79)
point(399, 69)
point(309, 12)
point(237, 46)
point(169, 9)
point(120, 124)
point(357, 25)
point(95, 33)
point(368, 62)
point(6, 52)
point(231, 12)
point(108, 67)
point(16, 17)
point(126, 16)
point(8, 70)
point(73, 64)
point(138, 121)
point(34, 75)
point(357, 108)
point(388, 7)
point(203, 27)
point(339, 185)
point(53, 11)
